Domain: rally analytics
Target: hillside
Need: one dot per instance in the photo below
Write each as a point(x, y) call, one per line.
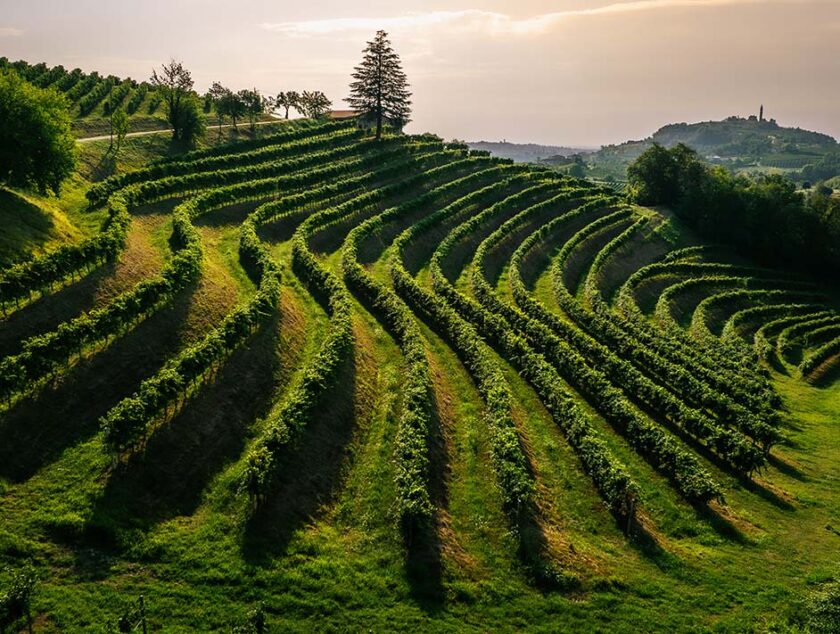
point(402, 386)
point(741, 144)
point(525, 152)
point(93, 97)
point(28, 227)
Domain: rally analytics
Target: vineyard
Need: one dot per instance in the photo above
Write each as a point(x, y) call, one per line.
point(399, 384)
point(90, 94)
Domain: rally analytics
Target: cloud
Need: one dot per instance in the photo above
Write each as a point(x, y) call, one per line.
point(8, 31)
point(488, 22)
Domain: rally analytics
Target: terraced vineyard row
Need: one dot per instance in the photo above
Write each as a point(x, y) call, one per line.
point(608, 380)
point(88, 92)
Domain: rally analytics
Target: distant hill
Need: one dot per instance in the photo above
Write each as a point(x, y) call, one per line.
point(743, 144)
point(526, 152)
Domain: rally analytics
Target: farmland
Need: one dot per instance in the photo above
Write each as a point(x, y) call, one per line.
point(397, 384)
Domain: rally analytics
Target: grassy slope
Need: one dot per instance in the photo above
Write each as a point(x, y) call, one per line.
point(30, 226)
point(328, 556)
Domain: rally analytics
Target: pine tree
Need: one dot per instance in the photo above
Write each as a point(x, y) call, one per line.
point(380, 90)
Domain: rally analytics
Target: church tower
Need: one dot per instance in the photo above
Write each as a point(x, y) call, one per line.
point(761, 113)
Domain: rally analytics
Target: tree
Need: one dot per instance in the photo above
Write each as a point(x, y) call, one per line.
point(314, 104)
point(252, 104)
point(191, 121)
point(174, 84)
point(233, 106)
point(218, 97)
point(37, 147)
point(380, 90)
point(119, 124)
point(288, 100)
point(653, 178)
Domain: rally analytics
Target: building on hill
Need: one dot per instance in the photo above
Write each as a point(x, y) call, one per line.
point(368, 122)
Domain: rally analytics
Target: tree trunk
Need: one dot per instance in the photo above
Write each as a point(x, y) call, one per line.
point(379, 97)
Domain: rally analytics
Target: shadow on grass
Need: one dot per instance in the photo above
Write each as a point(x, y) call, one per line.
point(721, 525)
point(643, 540)
point(48, 311)
point(765, 493)
point(776, 364)
point(67, 409)
point(106, 166)
point(423, 565)
point(282, 229)
point(421, 540)
point(26, 226)
point(787, 468)
point(168, 478)
point(704, 451)
point(230, 215)
point(827, 373)
point(532, 545)
point(310, 472)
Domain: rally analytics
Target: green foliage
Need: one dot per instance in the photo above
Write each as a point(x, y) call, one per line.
point(15, 599)
point(36, 146)
point(120, 124)
point(824, 610)
point(252, 103)
point(313, 104)
point(138, 96)
point(191, 122)
point(379, 92)
point(288, 422)
point(174, 85)
point(41, 273)
point(255, 622)
point(287, 100)
point(766, 218)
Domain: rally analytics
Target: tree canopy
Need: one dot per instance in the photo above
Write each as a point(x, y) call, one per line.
point(287, 100)
point(37, 148)
point(765, 217)
point(252, 102)
point(119, 126)
point(313, 104)
point(174, 83)
point(379, 91)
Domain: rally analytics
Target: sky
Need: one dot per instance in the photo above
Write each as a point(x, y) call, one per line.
point(569, 72)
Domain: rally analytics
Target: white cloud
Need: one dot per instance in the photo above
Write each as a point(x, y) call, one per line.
point(8, 31)
point(487, 22)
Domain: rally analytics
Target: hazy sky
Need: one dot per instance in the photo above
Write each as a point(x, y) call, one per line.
point(574, 72)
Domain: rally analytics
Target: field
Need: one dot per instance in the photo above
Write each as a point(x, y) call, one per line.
point(400, 385)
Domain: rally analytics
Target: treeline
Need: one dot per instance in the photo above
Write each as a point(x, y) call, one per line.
point(766, 218)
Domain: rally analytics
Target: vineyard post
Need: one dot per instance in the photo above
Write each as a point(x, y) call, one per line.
point(630, 516)
point(143, 614)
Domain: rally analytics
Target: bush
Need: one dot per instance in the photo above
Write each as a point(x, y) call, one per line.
point(191, 121)
point(37, 148)
point(824, 611)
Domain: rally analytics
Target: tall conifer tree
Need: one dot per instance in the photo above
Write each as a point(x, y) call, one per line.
point(380, 90)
